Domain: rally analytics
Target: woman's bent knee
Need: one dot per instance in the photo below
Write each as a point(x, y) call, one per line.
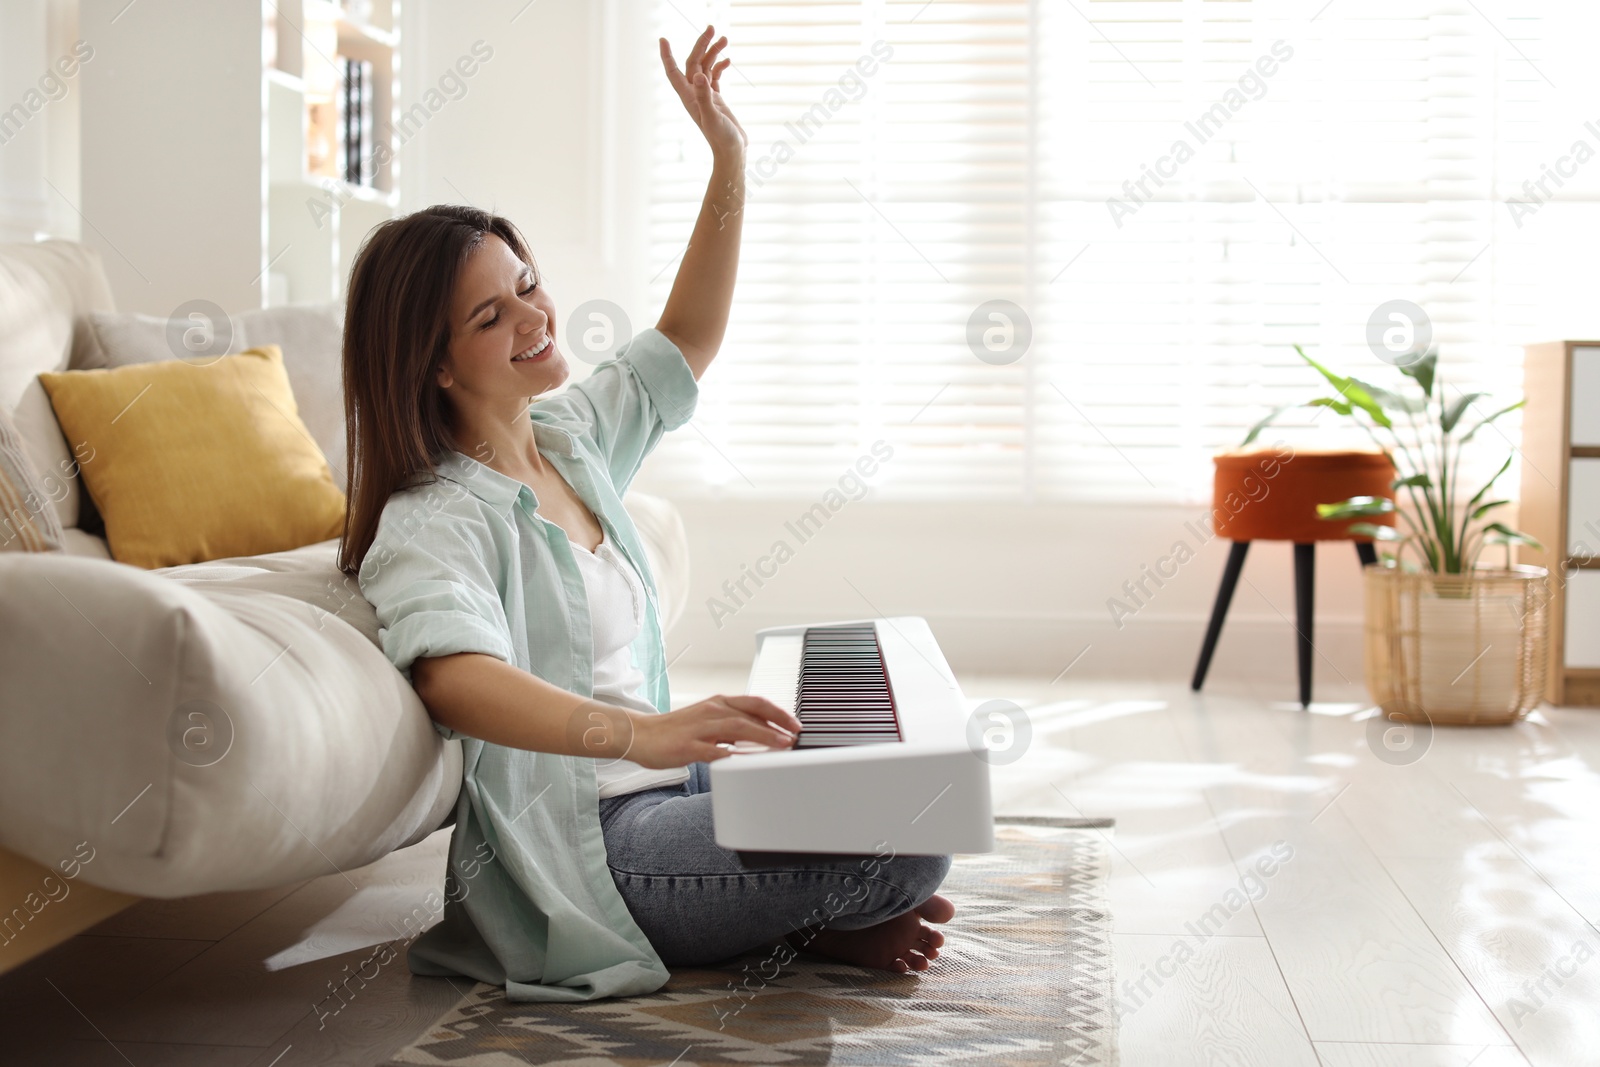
point(910, 880)
point(919, 877)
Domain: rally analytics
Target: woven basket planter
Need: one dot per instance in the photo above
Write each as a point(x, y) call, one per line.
point(1457, 649)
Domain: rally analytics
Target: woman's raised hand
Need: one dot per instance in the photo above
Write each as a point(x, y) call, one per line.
point(696, 732)
point(698, 86)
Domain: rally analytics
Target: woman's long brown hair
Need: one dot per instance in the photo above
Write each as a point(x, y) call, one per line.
point(397, 424)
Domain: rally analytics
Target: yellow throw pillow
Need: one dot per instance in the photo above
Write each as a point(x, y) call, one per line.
point(198, 461)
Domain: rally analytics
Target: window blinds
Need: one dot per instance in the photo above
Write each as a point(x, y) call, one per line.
point(1173, 191)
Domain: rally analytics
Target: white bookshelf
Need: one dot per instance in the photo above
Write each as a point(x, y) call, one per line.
point(198, 181)
point(315, 246)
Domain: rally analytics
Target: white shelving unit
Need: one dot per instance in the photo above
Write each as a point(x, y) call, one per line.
point(315, 223)
point(199, 181)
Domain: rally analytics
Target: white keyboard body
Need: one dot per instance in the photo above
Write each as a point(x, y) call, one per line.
point(926, 794)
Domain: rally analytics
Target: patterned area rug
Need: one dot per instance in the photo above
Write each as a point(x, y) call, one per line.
point(1024, 978)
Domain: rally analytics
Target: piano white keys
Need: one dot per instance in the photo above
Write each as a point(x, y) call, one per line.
point(776, 671)
point(885, 758)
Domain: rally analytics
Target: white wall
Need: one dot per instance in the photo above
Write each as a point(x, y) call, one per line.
point(1017, 588)
point(534, 136)
point(42, 151)
point(172, 192)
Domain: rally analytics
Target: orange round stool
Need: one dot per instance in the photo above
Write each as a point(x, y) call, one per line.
point(1272, 495)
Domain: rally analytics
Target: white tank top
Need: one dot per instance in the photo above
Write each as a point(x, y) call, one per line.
point(616, 611)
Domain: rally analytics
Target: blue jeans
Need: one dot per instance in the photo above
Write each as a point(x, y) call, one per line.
point(698, 904)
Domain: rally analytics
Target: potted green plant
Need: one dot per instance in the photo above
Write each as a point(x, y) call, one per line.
point(1447, 638)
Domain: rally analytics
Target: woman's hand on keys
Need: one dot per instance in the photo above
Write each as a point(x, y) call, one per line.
point(699, 731)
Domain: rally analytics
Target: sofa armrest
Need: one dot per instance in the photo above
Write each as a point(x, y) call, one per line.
point(667, 545)
point(203, 735)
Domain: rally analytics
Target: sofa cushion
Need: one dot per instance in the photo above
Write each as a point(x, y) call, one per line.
point(27, 518)
point(44, 288)
point(79, 542)
point(197, 461)
point(311, 338)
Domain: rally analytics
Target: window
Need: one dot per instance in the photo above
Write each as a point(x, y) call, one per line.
point(1173, 193)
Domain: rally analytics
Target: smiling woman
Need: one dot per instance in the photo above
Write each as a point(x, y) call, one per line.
point(501, 355)
point(524, 612)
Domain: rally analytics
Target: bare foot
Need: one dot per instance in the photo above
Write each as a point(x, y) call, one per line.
point(905, 943)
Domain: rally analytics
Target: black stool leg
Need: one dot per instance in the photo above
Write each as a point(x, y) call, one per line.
point(1305, 562)
point(1219, 611)
point(1367, 552)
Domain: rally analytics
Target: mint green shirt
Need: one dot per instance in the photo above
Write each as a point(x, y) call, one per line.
point(464, 564)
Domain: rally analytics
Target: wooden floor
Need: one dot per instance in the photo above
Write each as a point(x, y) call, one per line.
point(1287, 889)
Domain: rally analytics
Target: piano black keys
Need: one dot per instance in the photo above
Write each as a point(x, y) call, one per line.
point(844, 696)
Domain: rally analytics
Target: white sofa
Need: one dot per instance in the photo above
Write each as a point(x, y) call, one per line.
point(332, 762)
